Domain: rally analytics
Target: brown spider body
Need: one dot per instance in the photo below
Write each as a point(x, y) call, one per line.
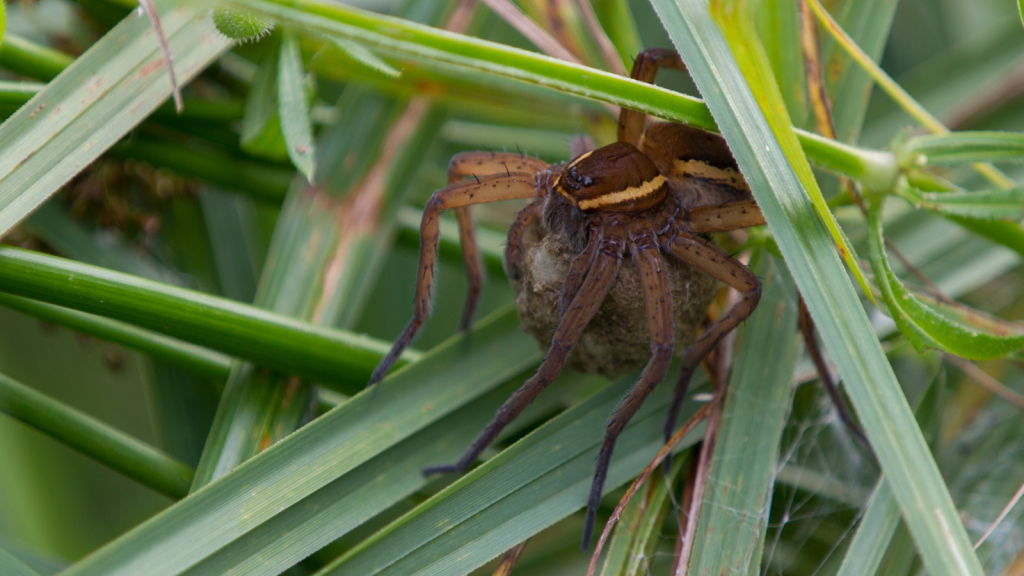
point(609, 222)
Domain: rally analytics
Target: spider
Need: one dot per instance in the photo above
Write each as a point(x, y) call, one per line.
point(650, 196)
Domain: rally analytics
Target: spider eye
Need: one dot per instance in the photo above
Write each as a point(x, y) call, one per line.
point(588, 181)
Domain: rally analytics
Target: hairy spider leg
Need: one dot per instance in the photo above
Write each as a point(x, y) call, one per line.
point(578, 270)
point(707, 219)
point(514, 242)
point(584, 306)
point(807, 329)
point(484, 189)
point(475, 163)
point(714, 262)
point(643, 245)
point(645, 68)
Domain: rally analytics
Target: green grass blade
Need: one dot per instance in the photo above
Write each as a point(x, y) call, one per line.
point(965, 147)
point(744, 465)
point(363, 56)
point(293, 107)
point(95, 439)
point(196, 359)
point(539, 480)
point(9, 565)
point(983, 205)
point(338, 358)
point(876, 531)
point(819, 274)
point(114, 85)
point(923, 325)
point(868, 22)
point(333, 445)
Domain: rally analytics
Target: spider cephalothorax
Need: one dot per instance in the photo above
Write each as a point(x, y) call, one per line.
point(630, 212)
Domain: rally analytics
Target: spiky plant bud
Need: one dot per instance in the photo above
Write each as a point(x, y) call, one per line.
point(241, 26)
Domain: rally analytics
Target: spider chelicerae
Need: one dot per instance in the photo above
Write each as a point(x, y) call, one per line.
point(651, 196)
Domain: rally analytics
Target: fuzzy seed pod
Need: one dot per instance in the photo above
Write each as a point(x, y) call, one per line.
point(241, 26)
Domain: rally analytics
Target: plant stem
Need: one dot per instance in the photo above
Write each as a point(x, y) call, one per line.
point(197, 359)
point(27, 58)
point(95, 439)
point(336, 357)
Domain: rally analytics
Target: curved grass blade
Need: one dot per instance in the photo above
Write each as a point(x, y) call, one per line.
point(107, 91)
point(985, 205)
point(811, 258)
point(529, 486)
point(924, 326)
point(280, 479)
point(95, 439)
point(293, 107)
point(26, 58)
point(756, 406)
point(875, 532)
point(338, 358)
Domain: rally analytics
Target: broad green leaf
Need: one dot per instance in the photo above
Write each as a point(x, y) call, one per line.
point(107, 91)
point(293, 106)
point(964, 147)
point(999, 204)
point(924, 325)
point(95, 439)
point(534, 483)
point(838, 313)
point(276, 485)
point(743, 468)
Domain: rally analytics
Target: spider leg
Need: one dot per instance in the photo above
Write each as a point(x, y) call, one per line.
point(468, 164)
point(645, 68)
point(716, 263)
point(514, 244)
point(807, 329)
point(731, 216)
point(486, 189)
point(658, 302)
point(578, 270)
point(587, 301)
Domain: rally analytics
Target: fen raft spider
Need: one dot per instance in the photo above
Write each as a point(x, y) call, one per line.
point(650, 196)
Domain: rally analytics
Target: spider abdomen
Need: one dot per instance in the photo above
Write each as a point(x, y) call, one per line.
point(618, 338)
point(615, 178)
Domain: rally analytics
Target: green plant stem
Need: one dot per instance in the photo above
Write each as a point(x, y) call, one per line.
point(895, 91)
point(33, 60)
point(423, 42)
point(196, 359)
point(95, 439)
point(341, 359)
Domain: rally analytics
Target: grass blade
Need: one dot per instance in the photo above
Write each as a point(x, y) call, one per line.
point(333, 445)
point(338, 358)
point(819, 274)
point(965, 147)
point(527, 487)
point(924, 326)
point(293, 107)
point(95, 439)
point(746, 453)
point(196, 359)
point(119, 81)
point(9, 565)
